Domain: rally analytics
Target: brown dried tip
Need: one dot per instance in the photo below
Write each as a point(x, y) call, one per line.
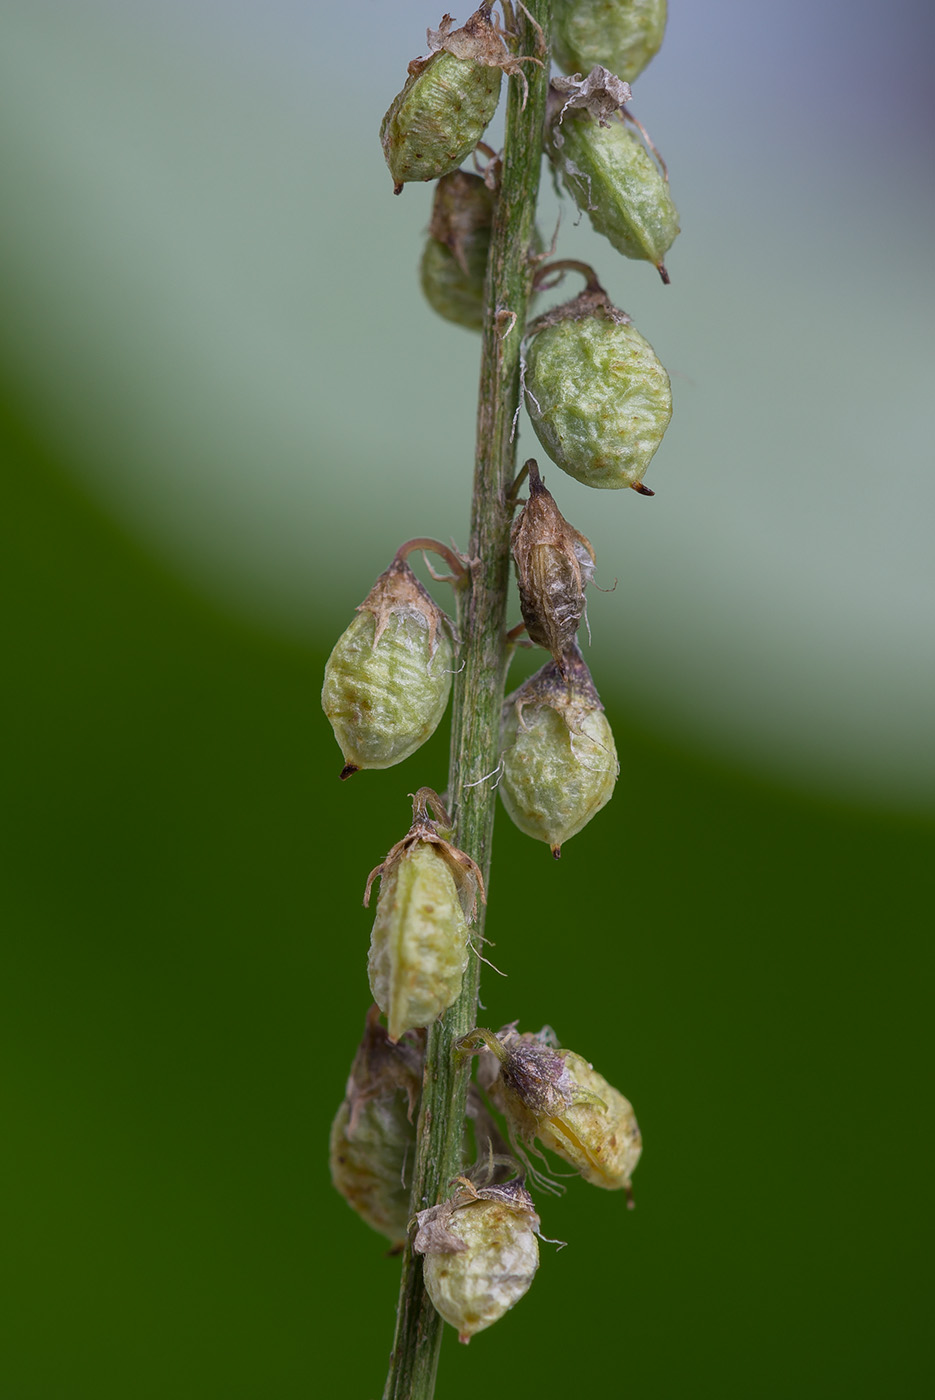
point(643, 490)
point(663, 273)
point(554, 564)
point(348, 771)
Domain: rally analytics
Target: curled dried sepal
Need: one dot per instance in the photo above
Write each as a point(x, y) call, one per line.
point(621, 34)
point(559, 763)
point(373, 1135)
point(481, 1253)
point(554, 1095)
point(596, 394)
point(419, 943)
point(449, 98)
point(607, 170)
point(388, 679)
point(554, 565)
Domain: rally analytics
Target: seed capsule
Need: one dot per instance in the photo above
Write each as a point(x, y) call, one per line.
point(608, 171)
point(388, 678)
point(373, 1136)
point(455, 259)
point(481, 1253)
point(419, 942)
point(449, 98)
point(554, 565)
point(559, 763)
point(556, 1096)
point(623, 35)
point(597, 396)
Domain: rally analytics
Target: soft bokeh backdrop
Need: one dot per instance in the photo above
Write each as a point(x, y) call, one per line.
point(223, 405)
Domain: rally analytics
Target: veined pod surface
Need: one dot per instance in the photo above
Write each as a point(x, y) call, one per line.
point(597, 396)
point(373, 1136)
point(454, 262)
point(554, 565)
point(388, 679)
point(623, 35)
point(449, 99)
point(556, 1096)
point(558, 759)
point(480, 1253)
point(419, 942)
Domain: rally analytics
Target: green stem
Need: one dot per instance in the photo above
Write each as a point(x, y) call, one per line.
point(478, 689)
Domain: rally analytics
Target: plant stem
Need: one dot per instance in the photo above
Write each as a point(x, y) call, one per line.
point(478, 689)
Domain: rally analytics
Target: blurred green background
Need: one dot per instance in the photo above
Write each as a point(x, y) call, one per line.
point(222, 406)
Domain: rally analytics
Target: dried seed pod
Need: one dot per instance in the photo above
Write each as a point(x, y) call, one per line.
point(554, 565)
point(597, 396)
point(449, 98)
point(388, 678)
point(481, 1253)
point(623, 35)
point(554, 1095)
point(608, 171)
point(373, 1136)
point(419, 943)
point(454, 262)
point(559, 763)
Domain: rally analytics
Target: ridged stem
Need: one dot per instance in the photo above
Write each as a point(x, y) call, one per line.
point(478, 688)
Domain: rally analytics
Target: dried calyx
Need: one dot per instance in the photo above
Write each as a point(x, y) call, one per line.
point(559, 764)
point(419, 943)
point(449, 98)
point(596, 394)
point(480, 1252)
point(554, 565)
point(607, 170)
point(388, 678)
point(554, 1095)
point(373, 1136)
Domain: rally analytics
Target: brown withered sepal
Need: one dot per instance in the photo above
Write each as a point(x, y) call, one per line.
point(554, 565)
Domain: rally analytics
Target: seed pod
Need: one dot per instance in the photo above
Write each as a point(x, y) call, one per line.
point(419, 942)
point(559, 763)
point(556, 1096)
point(481, 1253)
point(388, 678)
point(554, 565)
point(623, 35)
point(455, 259)
point(598, 398)
point(608, 171)
point(373, 1136)
point(449, 98)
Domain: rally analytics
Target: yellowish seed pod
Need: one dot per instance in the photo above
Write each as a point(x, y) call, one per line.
point(373, 1136)
point(419, 942)
point(388, 679)
point(558, 759)
point(481, 1254)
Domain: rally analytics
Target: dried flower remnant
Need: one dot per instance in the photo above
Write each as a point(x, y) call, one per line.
point(373, 1136)
point(597, 396)
point(554, 565)
point(448, 100)
point(419, 942)
point(621, 34)
point(388, 679)
point(607, 170)
point(558, 757)
point(480, 1251)
point(554, 1095)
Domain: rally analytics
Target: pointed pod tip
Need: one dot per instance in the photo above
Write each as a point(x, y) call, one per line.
point(641, 489)
point(348, 770)
point(557, 852)
point(663, 273)
point(398, 189)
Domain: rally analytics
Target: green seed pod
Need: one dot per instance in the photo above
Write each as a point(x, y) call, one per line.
point(481, 1253)
point(623, 35)
point(554, 565)
point(388, 678)
point(558, 760)
point(454, 263)
point(373, 1136)
point(556, 1096)
point(608, 171)
point(419, 942)
point(597, 396)
point(449, 98)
